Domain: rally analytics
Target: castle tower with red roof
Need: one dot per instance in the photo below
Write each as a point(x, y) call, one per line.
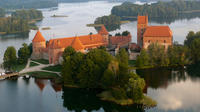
point(77, 45)
point(103, 31)
point(38, 45)
point(152, 34)
point(141, 27)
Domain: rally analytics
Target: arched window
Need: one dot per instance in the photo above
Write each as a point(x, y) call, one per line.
point(149, 41)
point(164, 41)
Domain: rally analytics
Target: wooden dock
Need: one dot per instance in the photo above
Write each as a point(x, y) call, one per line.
point(9, 75)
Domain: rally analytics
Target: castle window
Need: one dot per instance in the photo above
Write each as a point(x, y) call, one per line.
point(149, 41)
point(164, 41)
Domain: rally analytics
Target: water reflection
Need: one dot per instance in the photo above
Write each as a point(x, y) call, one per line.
point(174, 89)
point(56, 87)
point(186, 16)
point(40, 83)
point(79, 100)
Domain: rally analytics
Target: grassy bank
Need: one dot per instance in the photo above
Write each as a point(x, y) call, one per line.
point(19, 67)
point(132, 63)
point(146, 101)
point(32, 64)
point(42, 61)
point(107, 96)
point(56, 68)
point(43, 75)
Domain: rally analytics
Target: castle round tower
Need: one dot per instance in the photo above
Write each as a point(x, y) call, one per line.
point(38, 45)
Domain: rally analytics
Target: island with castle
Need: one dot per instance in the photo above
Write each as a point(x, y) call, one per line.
point(146, 35)
point(101, 66)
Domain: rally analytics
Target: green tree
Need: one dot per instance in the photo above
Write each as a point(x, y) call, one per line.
point(111, 75)
point(72, 67)
point(125, 33)
point(23, 54)
point(142, 59)
point(195, 50)
point(10, 58)
point(88, 77)
point(135, 87)
point(122, 56)
point(69, 51)
point(157, 55)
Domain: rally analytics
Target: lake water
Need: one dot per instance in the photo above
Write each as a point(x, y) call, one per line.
point(175, 91)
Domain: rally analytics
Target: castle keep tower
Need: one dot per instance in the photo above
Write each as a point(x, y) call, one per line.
point(38, 45)
point(141, 27)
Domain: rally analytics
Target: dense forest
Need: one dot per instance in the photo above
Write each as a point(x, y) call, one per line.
point(159, 9)
point(111, 22)
point(29, 15)
point(18, 4)
point(19, 22)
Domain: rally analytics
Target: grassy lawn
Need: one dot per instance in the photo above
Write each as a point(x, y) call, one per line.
point(19, 67)
point(107, 96)
point(42, 61)
point(32, 64)
point(43, 75)
point(132, 62)
point(56, 68)
point(146, 101)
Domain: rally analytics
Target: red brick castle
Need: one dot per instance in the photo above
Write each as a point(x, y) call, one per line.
point(53, 49)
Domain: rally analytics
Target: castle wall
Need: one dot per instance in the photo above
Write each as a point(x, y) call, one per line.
point(166, 41)
point(38, 48)
point(122, 41)
point(55, 54)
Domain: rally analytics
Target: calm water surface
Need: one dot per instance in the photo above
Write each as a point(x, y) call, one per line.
point(174, 90)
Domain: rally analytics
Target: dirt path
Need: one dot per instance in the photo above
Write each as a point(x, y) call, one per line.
point(39, 67)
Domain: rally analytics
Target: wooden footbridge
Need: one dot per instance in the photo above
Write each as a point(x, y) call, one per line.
point(9, 75)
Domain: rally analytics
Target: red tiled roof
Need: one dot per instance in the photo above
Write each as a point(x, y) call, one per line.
point(76, 44)
point(142, 19)
point(158, 31)
point(87, 41)
point(103, 31)
point(55, 44)
point(38, 37)
point(120, 40)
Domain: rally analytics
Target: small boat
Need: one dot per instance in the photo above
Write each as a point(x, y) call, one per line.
point(27, 76)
